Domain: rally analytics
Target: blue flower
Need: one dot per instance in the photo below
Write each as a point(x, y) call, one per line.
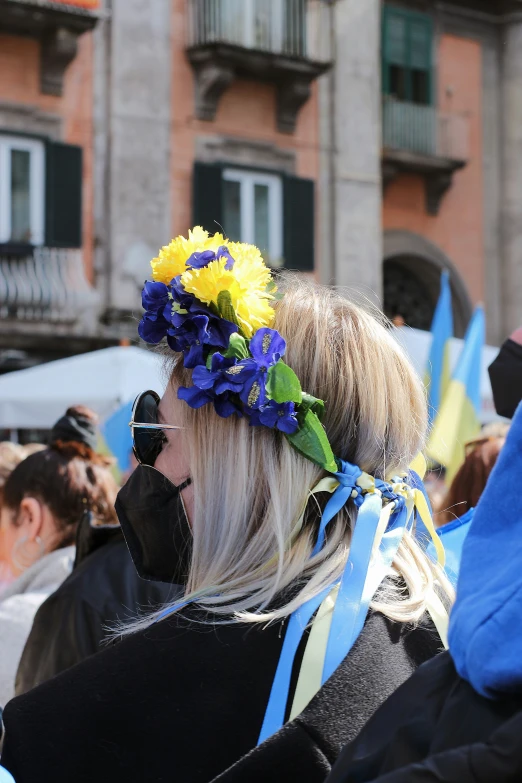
point(200, 260)
point(278, 415)
point(154, 296)
point(267, 347)
point(196, 398)
point(193, 326)
point(154, 325)
point(220, 378)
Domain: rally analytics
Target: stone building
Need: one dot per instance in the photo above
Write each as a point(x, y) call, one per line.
point(370, 144)
point(142, 119)
point(421, 117)
point(46, 158)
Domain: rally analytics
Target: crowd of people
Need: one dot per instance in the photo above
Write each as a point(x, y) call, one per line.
point(257, 600)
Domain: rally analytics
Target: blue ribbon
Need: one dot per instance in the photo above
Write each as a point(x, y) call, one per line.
point(356, 588)
point(347, 478)
point(359, 581)
point(343, 630)
point(275, 711)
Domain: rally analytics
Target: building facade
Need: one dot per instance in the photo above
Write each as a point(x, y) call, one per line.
point(46, 146)
point(370, 144)
point(424, 146)
point(165, 114)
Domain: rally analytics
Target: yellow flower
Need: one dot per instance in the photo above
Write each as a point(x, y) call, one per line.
point(246, 283)
point(172, 258)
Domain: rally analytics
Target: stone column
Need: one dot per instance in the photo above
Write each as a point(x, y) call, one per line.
point(356, 138)
point(511, 271)
point(140, 141)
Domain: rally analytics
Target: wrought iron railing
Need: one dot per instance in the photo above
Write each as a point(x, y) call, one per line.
point(48, 285)
point(425, 130)
point(295, 28)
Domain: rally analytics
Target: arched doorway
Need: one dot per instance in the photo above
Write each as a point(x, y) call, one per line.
point(406, 297)
point(412, 268)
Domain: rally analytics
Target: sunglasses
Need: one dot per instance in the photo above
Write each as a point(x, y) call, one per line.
point(148, 436)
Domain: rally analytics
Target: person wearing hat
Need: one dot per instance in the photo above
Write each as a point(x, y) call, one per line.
point(274, 484)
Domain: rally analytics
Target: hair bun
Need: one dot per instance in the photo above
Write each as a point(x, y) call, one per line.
point(77, 426)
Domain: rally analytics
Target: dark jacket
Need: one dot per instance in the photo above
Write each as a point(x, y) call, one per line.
point(72, 623)
point(183, 700)
point(506, 378)
point(436, 729)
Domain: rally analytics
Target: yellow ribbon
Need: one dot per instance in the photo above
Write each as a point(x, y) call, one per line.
point(311, 671)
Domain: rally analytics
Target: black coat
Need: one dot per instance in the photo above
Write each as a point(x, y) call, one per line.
point(437, 729)
point(183, 700)
point(72, 623)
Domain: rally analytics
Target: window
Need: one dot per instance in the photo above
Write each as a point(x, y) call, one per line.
point(274, 211)
point(22, 190)
point(407, 56)
point(253, 211)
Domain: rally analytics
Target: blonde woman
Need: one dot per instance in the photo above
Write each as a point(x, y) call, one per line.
point(239, 496)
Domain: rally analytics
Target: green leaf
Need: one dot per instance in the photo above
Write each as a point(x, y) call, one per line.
point(209, 360)
point(283, 384)
point(311, 441)
point(312, 403)
point(224, 303)
point(237, 347)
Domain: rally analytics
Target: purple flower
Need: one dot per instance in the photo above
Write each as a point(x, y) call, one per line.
point(267, 347)
point(278, 415)
point(200, 260)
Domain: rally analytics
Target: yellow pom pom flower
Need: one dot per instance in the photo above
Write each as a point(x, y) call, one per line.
point(172, 258)
point(246, 282)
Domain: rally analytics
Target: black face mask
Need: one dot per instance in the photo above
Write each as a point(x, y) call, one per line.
point(155, 525)
point(506, 379)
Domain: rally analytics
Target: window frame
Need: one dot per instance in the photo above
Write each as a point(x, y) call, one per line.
point(390, 11)
point(248, 179)
point(36, 149)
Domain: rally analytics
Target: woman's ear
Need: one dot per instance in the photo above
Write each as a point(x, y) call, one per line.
point(31, 518)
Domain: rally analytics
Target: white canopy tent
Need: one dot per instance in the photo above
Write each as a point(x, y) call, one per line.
point(417, 345)
point(103, 380)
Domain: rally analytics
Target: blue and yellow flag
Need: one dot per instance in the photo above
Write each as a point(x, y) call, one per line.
point(458, 419)
point(437, 376)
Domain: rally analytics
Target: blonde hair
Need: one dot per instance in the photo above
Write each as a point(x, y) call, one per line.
point(251, 487)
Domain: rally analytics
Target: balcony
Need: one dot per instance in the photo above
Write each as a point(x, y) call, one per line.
point(286, 42)
point(57, 24)
point(48, 287)
point(423, 140)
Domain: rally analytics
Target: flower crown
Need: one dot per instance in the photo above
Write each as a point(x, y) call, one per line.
point(211, 299)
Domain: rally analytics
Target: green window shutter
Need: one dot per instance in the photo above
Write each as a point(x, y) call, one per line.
point(396, 37)
point(63, 202)
point(420, 37)
point(207, 196)
point(298, 223)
